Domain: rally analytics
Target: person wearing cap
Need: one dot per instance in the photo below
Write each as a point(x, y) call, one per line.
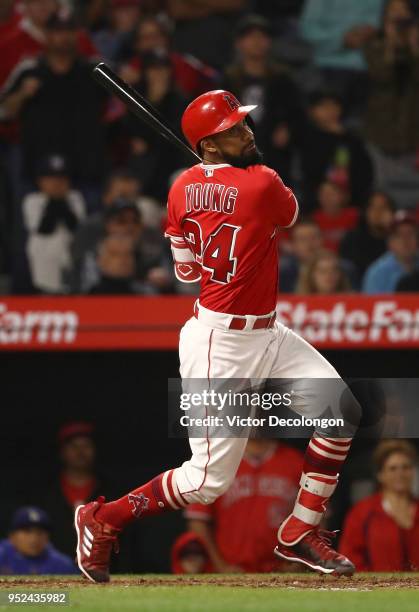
point(132, 243)
point(26, 36)
point(189, 555)
point(77, 481)
point(60, 109)
point(51, 216)
point(401, 258)
point(256, 78)
point(28, 551)
point(122, 184)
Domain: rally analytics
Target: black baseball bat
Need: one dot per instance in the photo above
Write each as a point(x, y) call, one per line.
point(138, 105)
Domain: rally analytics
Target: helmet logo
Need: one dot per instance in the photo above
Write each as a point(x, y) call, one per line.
point(231, 101)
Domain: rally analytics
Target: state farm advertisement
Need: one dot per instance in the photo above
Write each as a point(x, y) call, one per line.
point(146, 323)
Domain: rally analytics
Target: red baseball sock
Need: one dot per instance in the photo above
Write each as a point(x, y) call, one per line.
point(157, 496)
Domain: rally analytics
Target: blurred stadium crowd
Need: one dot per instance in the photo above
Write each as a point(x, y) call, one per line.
point(379, 521)
point(83, 184)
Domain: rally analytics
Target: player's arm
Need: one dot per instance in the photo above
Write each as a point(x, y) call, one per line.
point(187, 270)
point(204, 528)
point(281, 201)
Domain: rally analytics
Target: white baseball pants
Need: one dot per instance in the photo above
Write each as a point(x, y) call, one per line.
point(209, 350)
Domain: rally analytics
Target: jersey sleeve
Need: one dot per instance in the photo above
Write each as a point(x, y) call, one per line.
point(187, 270)
point(282, 203)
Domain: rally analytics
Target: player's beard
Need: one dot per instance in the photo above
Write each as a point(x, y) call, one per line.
point(252, 158)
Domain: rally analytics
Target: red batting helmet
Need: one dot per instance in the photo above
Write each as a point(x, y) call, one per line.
point(210, 113)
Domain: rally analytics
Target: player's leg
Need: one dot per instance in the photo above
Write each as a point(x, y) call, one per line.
point(206, 355)
point(299, 537)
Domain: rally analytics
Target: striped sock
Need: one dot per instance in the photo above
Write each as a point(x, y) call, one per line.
point(157, 496)
point(322, 462)
point(326, 455)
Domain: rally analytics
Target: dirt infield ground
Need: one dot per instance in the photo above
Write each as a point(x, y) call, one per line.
point(359, 582)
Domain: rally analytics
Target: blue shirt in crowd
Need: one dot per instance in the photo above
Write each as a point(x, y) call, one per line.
point(324, 24)
point(51, 561)
point(383, 274)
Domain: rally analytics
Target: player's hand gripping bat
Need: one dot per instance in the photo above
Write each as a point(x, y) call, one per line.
point(138, 105)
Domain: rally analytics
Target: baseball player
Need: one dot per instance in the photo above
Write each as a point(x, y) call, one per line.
point(224, 218)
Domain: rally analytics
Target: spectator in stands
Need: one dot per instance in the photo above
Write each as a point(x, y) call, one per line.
point(324, 275)
point(256, 78)
point(60, 108)
point(381, 532)
point(114, 39)
point(77, 482)
point(116, 264)
point(122, 184)
point(28, 551)
point(237, 528)
point(337, 31)
point(306, 241)
point(401, 258)
point(122, 218)
point(203, 29)
point(51, 217)
point(368, 241)
point(392, 121)
point(152, 159)
point(27, 35)
point(190, 555)
point(191, 76)
point(331, 152)
point(334, 216)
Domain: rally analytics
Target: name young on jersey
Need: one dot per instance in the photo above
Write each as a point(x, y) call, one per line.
point(210, 197)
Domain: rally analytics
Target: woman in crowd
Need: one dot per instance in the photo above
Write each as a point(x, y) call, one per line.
point(323, 275)
point(381, 532)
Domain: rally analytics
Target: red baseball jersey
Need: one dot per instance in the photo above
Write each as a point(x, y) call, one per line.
point(246, 517)
point(229, 218)
point(364, 543)
point(335, 227)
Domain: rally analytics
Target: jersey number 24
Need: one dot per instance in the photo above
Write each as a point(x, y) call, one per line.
point(216, 253)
